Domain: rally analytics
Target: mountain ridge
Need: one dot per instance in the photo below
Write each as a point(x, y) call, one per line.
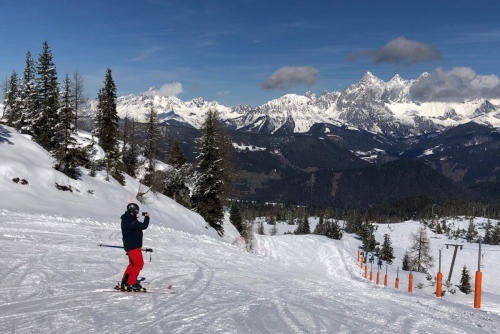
point(369, 104)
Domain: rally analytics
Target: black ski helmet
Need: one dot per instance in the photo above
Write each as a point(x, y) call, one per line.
point(133, 208)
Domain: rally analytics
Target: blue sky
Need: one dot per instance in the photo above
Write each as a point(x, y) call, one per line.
point(251, 51)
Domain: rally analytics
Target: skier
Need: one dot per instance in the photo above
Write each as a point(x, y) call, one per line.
point(132, 243)
point(380, 263)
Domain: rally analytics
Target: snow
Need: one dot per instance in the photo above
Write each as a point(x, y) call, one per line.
point(251, 148)
point(429, 151)
point(407, 110)
point(53, 272)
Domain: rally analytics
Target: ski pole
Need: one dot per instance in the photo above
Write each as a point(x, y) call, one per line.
point(144, 249)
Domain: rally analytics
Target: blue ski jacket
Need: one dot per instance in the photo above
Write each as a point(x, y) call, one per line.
point(132, 231)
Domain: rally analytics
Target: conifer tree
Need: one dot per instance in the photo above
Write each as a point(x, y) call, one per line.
point(307, 226)
point(495, 235)
point(274, 230)
point(235, 217)
point(421, 255)
point(321, 226)
point(175, 156)
point(65, 151)
point(444, 227)
point(303, 227)
point(226, 163)
point(387, 252)
point(209, 196)
point(406, 262)
point(260, 229)
point(178, 178)
point(333, 230)
point(106, 128)
point(12, 101)
point(79, 97)
point(465, 285)
point(29, 96)
point(487, 232)
point(130, 148)
point(47, 86)
point(368, 239)
point(472, 232)
point(151, 151)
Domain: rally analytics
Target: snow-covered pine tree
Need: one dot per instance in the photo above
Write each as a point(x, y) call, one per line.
point(29, 96)
point(209, 196)
point(130, 148)
point(333, 230)
point(465, 285)
point(12, 101)
point(387, 252)
point(106, 128)
point(47, 86)
point(65, 151)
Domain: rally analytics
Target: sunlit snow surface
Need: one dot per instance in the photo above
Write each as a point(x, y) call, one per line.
point(53, 272)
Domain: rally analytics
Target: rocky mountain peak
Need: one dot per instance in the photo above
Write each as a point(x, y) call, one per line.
point(370, 104)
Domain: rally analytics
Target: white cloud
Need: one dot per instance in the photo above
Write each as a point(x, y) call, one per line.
point(168, 89)
point(401, 50)
point(289, 76)
point(458, 84)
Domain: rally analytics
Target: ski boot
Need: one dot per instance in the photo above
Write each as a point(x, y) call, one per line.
point(137, 288)
point(122, 287)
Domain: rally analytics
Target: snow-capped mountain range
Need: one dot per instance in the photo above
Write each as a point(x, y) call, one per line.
point(371, 104)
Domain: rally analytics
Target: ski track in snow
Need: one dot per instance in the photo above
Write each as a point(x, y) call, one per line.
point(52, 270)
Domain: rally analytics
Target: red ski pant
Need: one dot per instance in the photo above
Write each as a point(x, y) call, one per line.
point(134, 267)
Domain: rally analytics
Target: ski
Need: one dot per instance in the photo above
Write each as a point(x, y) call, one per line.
point(166, 290)
point(157, 291)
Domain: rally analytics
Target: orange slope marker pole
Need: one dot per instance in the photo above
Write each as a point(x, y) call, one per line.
point(439, 279)
point(477, 289)
point(439, 285)
point(386, 278)
point(479, 280)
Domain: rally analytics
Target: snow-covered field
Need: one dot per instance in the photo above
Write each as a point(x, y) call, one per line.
point(52, 272)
